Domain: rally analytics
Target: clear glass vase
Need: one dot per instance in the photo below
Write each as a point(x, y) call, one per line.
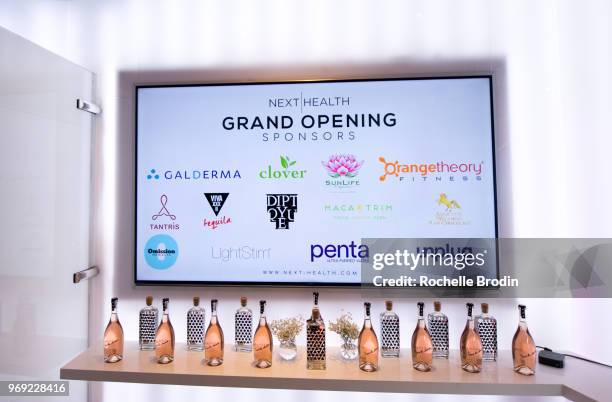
point(348, 349)
point(287, 349)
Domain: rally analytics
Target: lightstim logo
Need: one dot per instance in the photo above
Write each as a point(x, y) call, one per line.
point(438, 171)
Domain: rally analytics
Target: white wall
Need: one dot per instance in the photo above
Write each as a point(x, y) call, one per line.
point(552, 60)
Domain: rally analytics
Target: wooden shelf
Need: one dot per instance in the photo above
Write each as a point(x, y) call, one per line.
point(579, 380)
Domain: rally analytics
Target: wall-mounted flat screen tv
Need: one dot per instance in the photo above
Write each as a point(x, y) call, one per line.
point(278, 183)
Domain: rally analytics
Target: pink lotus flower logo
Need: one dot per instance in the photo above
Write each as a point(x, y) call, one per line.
point(342, 166)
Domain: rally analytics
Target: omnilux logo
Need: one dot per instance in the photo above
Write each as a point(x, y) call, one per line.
point(285, 173)
point(216, 201)
point(282, 209)
point(469, 170)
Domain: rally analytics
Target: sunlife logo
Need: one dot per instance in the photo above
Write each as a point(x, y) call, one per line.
point(286, 171)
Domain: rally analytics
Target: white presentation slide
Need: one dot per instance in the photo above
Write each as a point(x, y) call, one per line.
point(279, 183)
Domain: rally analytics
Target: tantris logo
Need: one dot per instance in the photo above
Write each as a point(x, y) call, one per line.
point(400, 170)
point(208, 174)
point(285, 173)
point(282, 209)
point(216, 201)
point(162, 214)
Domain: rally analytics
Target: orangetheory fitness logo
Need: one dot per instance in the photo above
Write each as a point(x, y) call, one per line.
point(440, 170)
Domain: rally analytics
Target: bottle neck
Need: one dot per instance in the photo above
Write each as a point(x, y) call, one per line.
point(470, 322)
point(114, 317)
point(165, 317)
point(262, 320)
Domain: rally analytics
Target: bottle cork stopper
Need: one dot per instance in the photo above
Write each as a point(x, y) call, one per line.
point(389, 305)
point(196, 301)
point(149, 300)
point(484, 307)
point(114, 301)
point(421, 306)
point(262, 306)
point(243, 301)
point(437, 306)
point(470, 306)
point(165, 302)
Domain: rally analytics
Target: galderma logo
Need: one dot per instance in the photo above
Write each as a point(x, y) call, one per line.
point(285, 172)
point(282, 209)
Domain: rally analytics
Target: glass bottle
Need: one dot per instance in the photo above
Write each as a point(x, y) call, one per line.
point(243, 341)
point(422, 345)
point(113, 336)
point(213, 341)
point(523, 347)
point(315, 338)
point(262, 341)
point(147, 325)
point(368, 344)
point(438, 329)
point(470, 345)
point(389, 332)
point(486, 326)
point(195, 326)
point(164, 338)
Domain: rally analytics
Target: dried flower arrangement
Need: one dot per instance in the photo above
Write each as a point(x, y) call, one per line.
point(288, 328)
point(345, 327)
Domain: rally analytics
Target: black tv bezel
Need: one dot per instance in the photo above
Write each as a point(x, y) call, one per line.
point(137, 87)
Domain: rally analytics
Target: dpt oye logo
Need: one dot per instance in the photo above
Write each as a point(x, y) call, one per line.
point(282, 209)
point(161, 251)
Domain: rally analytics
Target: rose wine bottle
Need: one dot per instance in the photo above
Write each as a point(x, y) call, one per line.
point(438, 329)
point(164, 338)
point(486, 326)
point(195, 326)
point(213, 341)
point(243, 334)
point(315, 338)
point(389, 332)
point(422, 345)
point(147, 325)
point(113, 336)
point(368, 344)
point(523, 347)
point(262, 341)
point(471, 347)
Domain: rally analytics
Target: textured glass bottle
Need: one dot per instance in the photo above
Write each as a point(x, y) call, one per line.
point(164, 337)
point(470, 345)
point(438, 329)
point(113, 336)
point(213, 341)
point(315, 338)
point(422, 345)
point(243, 341)
point(523, 347)
point(389, 332)
point(196, 319)
point(368, 344)
point(486, 326)
point(147, 325)
point(262, 341)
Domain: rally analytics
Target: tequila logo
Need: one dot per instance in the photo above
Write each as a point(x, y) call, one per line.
point(216, 201)
point(286, 173)
point(282, 209)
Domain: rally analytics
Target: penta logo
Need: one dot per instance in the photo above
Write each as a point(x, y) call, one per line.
point(285, 173)
point(282, 209)
point(216, 201)
point(351, 252)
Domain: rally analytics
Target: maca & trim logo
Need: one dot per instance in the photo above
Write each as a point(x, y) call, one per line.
point(438, 171)
point(204, 174)
point(287, 172)
point(282, 209)
point(216, 202)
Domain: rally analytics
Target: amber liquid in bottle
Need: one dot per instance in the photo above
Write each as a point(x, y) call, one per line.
point(262, 341)
point(422, 345)
point(471, 346)
point(523, 347)
point(113, 336)
point(164, 337)
point(213, 341)
point(316, 352)
point(368, 344)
